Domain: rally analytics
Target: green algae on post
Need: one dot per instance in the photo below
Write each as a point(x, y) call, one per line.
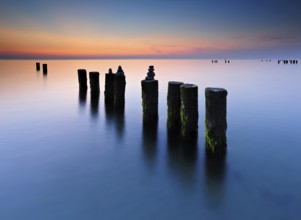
point(216, 120)
point(189, 111)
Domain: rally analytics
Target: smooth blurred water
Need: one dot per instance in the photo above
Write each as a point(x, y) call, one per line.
point(65, 157)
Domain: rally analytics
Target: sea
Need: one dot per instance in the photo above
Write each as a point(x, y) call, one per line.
point(65, 156)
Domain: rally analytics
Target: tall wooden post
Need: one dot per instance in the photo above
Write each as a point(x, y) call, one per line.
point(150, 96)
point(216, 120)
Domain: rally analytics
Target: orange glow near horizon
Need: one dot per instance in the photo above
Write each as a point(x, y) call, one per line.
point(42, 43)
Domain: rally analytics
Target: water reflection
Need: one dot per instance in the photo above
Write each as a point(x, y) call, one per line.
point(94, 104)
point(109, 109)
point(115, 115)
point(215, 173)
point(182, 159)
point(119, 121)
point(82, 98)
point(149, 141)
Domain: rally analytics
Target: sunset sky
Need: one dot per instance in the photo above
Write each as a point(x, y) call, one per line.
point(150, 29)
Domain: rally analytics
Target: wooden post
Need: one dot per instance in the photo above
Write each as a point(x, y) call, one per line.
point(119, 87)
point(38, 66)
point(216, 120)
point(189, 112)
point(150, 97)
point(109, 87)
point(45, 70)
point(94, 82)
point(82, 79)
point(174, 105)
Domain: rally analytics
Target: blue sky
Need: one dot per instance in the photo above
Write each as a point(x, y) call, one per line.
point(155, 29)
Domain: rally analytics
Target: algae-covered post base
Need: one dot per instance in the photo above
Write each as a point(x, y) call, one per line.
point(45, 70)
point(150, 100)
point(216, 120)
point(82, 79)
point(174, 105)
point(119, 87)
point(189, 111)
point(109, 87)
point(94, 82)
point(38, 66)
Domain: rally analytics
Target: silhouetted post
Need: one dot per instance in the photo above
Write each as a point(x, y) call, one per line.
point(38, 66)
point(45, 70)
point(94, 82)
point(109, 87)
point(174, 105)
point(189, 111)
point(150, 96)
point(119, 87)
point(82, 79)
point(216, 120)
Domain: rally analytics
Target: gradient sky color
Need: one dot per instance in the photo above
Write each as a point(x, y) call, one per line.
point(150, 29)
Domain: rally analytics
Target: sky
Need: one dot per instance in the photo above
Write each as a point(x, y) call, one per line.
point(190, 29)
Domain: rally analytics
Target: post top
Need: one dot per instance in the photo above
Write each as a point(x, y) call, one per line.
point(81, 70)
point(119, 71)
point(110, 71)
point(151, 74)
point(94, 73)
point(212, 89)
point(175, 83)
point(216, 90)
point(189, 86)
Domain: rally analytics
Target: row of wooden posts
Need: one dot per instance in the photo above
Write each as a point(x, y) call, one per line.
point(182, 105)
point(288, 61)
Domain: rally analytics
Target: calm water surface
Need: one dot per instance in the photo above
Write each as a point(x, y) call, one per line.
point(63, 156)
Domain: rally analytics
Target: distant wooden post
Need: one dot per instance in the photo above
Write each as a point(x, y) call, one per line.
point(82, 79)
point(150, 96)
point(109, 87)
point(119, 87)
point(189, 111)
point(216, 120)
point(94, 82)
point(38, 66)
point(45, 70)
point(174, 105)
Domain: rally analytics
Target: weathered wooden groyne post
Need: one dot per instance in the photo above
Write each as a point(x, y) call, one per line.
point(109, 87)
point(150, 96)
point(119, 87)
point(38, 66)
point(189, 112)
point(174, 105)
point(94, 82)
point(45, 70)
point(94, 91)
point(216, 120)
point(82, 79)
